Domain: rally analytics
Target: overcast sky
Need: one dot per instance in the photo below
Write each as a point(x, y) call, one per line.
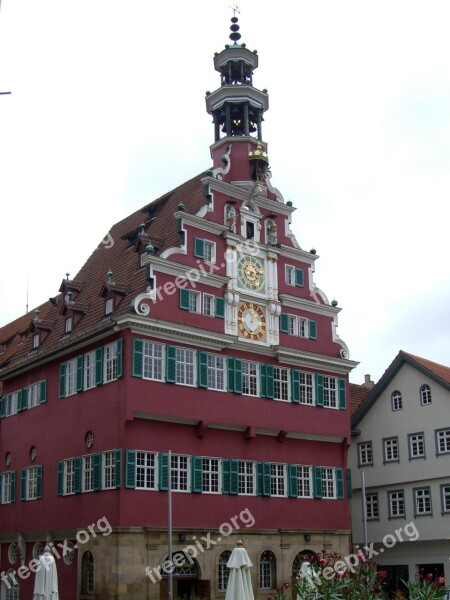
point(107, 113)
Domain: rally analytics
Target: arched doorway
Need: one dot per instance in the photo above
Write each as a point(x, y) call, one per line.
point(186, 579)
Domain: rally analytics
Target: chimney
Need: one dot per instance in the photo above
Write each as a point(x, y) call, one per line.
point(368, 383)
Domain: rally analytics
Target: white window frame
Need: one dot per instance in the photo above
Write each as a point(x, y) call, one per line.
point(109, 306)
point(68, 325)
point(181, 473)
point(146, 470)
point(153, 366)
point(185, 367)
point(328, 482)
point(396, 400)
point(208, 305)
point(110, 366)
point(306, 388)
point(443, 441)
point(365, 453)
point(330, 392)
point(210, 255)
point(305, 484)
point(303, 327)
point(281, 384)
point(12, 402)
point(422, 501)
point(292, 327)
point(391, 450)
point(416, 444)
point(246, 478)
point(217, 372)
point(87, 481)
point(195, 302)
point(109, 470)
point(71, 377)
point(6, 491)
point(278, 480)
point(289, 271)
point(33, 398)
point(224, 571)
point(396, 499)
point(212, 475)
point(89, 370)
point(36, 340)
point(31, 483)
point(250, 378)
point(425, 394)
point(372, 506)
point(445, 498)
point(69, 477)
point(267, 571)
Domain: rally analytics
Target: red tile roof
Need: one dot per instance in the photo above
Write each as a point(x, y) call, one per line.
point(358, 393)
point(440, 370)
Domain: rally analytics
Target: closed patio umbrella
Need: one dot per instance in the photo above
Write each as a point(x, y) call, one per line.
point(46, 582)
point(239, 582)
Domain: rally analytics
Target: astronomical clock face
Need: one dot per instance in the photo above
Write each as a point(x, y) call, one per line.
point(251, 274)
point(251, 321)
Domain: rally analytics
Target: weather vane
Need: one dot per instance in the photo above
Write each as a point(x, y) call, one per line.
point(235, 8)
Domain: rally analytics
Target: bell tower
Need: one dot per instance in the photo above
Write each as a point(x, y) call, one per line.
point(237, 107)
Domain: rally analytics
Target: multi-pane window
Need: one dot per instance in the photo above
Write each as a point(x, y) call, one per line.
point(153, 366)
point(216, 372)
point(267, 570)
point(180, 473)
point(36, 340)
point(443, 441)
point(249, 378)
point(209, 253)
point(330, 392)
point(194, 301)
point(109, 306)
point(109, 470)
point(416, 444)
point(445, 498)
point(396, 400)
point(11, 404)
point(88, 473)
point(185, 366)
point(69, 476)
point(280, 384)
point(68, 325)
point(12, 590)
point(211, 475)
point(304, 481)
point(89, 370)
point(372, 506)
point(303, 327)
point(111, 362)
point(146, 471)
point(290, 275)
point(292, 324)
point(328, 483)
point(365, 454)
point(208, 305)
point(246, 477)
point(33, 395)
point(425, 394)
point(31, 483)
point(277, 479)
point(224, 571)
point(306, 388)
point(8, 480)
point(390, 449)
point(71, 377)
point(396, 503)
point(422, 501)
point(87, 574)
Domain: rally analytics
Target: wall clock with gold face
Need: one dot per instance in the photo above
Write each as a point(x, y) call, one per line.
point(251, 321)
point(251, 273)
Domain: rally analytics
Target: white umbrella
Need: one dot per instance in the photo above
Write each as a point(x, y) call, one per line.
point(239, 582)
point(46, 582)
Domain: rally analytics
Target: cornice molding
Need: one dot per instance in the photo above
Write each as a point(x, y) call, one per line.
point(307, 305)
point(162, 265)
point(201, 223)
point(296, 254)
point(300, 358)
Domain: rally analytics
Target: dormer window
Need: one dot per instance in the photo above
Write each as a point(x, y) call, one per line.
point(36, 340)
point(68, 325)
point(109, 306)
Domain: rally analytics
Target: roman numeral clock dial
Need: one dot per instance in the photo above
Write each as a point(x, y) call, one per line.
point(251, 321)
point(251, 274)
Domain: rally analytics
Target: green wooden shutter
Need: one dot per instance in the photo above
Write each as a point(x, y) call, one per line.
point(263, 479)
point(319, 389)
point(312, 329)
point(202, 369)
point(269, 382)
point(130, 469)
point(118, 467)
point(138, 358)
point(342, 386)
point(284, 323)
point(349, 484)
point(119, 358)
point(43, 391)
point(99, 366)
point(23, 484)
point(62, 380)
point(3, 407)
point(292, 481)
point(1, 487)
point(77, 475)
point(234, 476)
point(219, 307)
point(184, 299)
point(299, 277)
point(230, 374)
point(317, 482)
point(295, 386)
point(24, 399)
point(196, 474)
point(80, 371)
point(97, 468)
point(226, 476)
point(171, 364)
point(163, 471)
point(339, 483)
point(238, 376)
point(19, 401)
point(262, 377)
point(199, 248)
point(38, 482)
point(60, 479)
point(13, 486)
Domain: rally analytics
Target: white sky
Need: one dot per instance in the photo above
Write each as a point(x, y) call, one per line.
point(107, 112)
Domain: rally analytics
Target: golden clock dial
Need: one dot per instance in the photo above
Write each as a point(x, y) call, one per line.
point(251, 274)
point(251, 321)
